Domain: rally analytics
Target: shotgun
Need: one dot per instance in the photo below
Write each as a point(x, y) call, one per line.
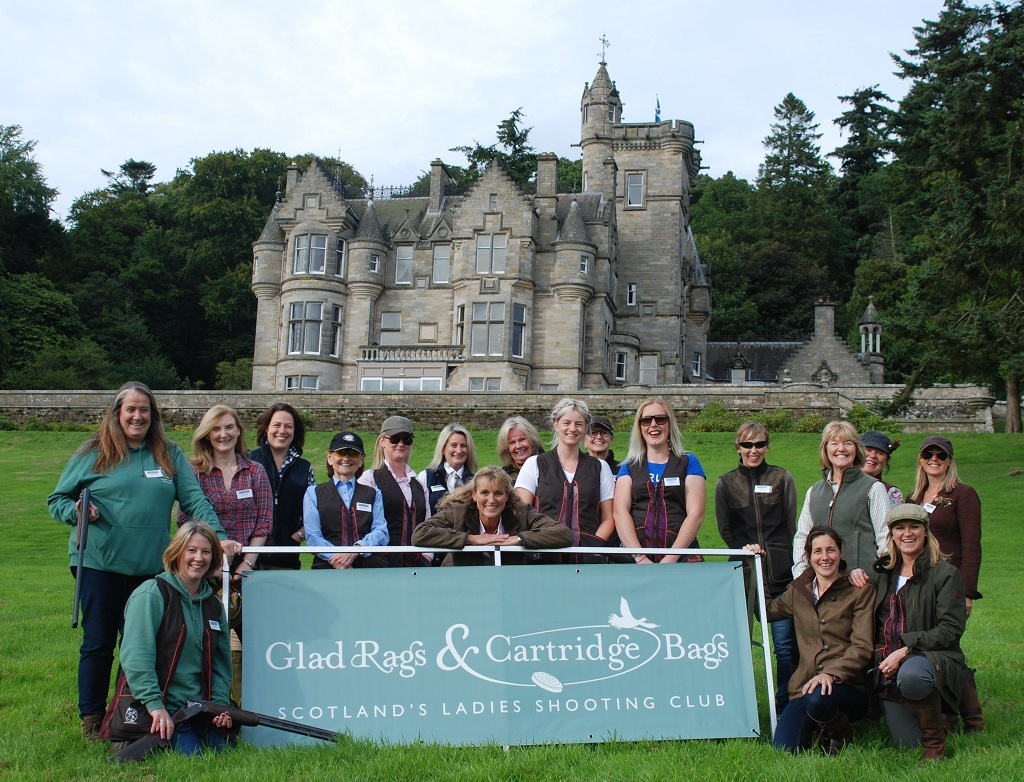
point(83, 538)
point(140, 748)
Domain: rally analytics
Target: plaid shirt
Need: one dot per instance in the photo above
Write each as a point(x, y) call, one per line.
point(245, 517)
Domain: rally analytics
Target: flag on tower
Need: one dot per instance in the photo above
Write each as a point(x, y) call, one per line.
point(657, 109)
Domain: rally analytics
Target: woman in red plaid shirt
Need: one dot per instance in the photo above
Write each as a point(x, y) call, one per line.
point(239, 490)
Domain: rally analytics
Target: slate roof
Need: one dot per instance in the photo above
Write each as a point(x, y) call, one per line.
point(574, 229)
point(272, 230)
point(766, 359)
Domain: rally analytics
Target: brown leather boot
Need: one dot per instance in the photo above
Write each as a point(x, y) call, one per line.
point(970, 706)
point(928, 713)
point(836, 734)
point(91, 726)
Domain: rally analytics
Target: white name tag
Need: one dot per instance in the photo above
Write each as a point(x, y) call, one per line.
point(366, 506)
point(244, 494)
point(673, 481)
point(760, 488)
point(929, 507)
point(214, 624)
point(154, 473)
point(438, 487)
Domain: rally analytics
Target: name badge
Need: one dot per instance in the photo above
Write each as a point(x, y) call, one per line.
point(673, 481)
point(762, 489)
point(929, 507)
point(154, 473)
point(214, 625)
point(438, 487)
point(366, 506)
point(244, 494)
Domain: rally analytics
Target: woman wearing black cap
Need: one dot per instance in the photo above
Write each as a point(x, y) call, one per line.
point(405, 502)
point(877, 450)
point(342, 512)
point(919, 619)
point(954, 512)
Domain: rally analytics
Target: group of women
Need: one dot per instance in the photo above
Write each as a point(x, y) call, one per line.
point(880, 588)
point(829, 617)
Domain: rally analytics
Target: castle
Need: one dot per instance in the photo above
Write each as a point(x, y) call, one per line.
point(493, 290)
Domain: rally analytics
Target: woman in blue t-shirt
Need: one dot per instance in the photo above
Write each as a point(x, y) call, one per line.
point(660, 490)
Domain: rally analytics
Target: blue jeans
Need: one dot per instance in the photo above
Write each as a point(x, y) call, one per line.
point(783, 639)
point(802, 715)
point(104, 596)
point(193, 736)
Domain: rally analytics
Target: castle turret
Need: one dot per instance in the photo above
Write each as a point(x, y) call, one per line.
point(267, 265)
point(600, 109)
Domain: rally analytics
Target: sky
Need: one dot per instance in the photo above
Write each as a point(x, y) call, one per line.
point(389, 85)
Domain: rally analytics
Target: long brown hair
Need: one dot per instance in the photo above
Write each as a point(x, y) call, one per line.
point(109, 441)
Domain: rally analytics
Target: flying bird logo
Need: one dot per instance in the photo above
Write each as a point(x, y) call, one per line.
point(625, 620)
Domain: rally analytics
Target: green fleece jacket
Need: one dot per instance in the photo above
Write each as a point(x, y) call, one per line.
point(134, 499)
point(142, 618)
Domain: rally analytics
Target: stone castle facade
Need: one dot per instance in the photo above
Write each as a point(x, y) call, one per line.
point(495, 290)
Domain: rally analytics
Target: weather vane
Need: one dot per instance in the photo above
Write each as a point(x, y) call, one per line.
point(604, 45)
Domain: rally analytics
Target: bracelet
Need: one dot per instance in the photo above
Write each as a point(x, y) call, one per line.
point(636, 557)
point(250, 564)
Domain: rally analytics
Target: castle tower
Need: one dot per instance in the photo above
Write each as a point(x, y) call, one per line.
point(600, 110)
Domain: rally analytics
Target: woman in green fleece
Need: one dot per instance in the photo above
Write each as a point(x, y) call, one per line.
point(154, 644)
point(135, 475)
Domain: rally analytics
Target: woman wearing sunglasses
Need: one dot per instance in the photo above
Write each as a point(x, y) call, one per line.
point(405, 502)
point(660, 490)
point(954, 512)
point(755, 504)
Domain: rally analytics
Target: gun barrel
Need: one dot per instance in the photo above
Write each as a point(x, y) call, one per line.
point(83, 538)
point(252, 719)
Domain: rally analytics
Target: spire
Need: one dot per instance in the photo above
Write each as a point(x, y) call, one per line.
point(574, 229)
point(272, 230)
point(870, 316)
point(369, 226)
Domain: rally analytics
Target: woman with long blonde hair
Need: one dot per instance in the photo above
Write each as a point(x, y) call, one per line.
point(660, 492)
point(954, 513)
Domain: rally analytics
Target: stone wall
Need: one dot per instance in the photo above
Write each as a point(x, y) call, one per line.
point(946, 409)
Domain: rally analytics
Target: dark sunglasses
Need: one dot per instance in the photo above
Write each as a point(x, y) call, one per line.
point(758, 444)
point(402, 437)
point(934, 454)
point(349, 452)
point(647, 420)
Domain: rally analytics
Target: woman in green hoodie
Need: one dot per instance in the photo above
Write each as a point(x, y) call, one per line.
point(135, 474)
point(165, 666)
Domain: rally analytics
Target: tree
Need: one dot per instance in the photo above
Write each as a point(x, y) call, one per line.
point(570, 175)
point(26, 228)
point(133, 176)
point(960, 142)
point(868, 144)
point(794, 188)
point(516, 156)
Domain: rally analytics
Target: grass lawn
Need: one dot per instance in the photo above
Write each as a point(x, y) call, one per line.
point(39, 734)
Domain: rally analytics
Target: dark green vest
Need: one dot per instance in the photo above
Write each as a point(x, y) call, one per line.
point(849, 512)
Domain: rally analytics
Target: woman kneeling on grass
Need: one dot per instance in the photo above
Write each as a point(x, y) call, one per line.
point(189, 639)
point(920, 616)
point(833, 622)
